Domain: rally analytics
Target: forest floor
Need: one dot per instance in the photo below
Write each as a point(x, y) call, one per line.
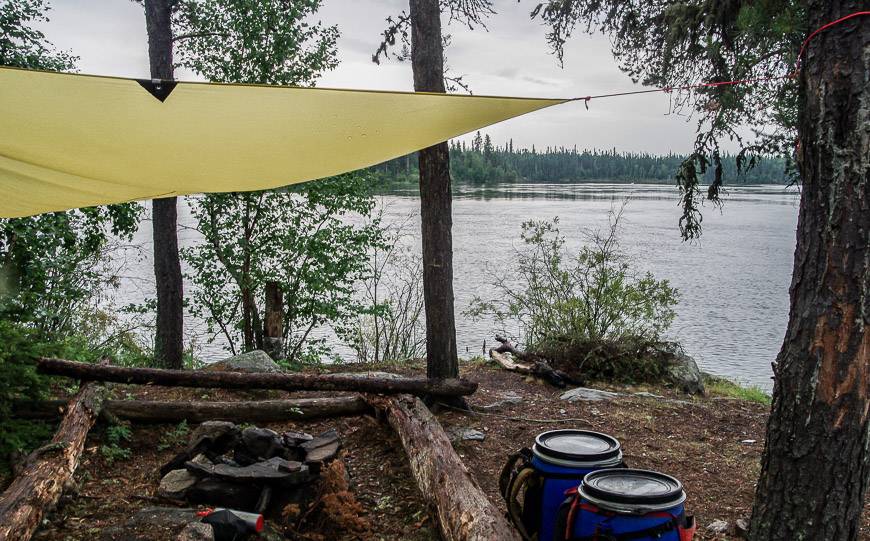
point(712, 444)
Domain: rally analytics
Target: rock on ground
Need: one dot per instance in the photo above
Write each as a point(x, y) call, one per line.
point(587, 394)
point(466, 434)
point(174, 484)
point(196, 531)
point(717, 526)
point(252, 361)
point(507, 399)
point(684, 374)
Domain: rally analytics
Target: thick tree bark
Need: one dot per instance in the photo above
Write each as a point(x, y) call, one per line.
point(427, 58)
point(816, 461)
point(369, 383)
point(463, 511)
point(169, 411)
point(48, 469)
point(168, 348)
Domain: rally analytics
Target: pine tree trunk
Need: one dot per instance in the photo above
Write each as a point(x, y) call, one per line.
point(427, 58)
point(167, 266)
point(816, 462)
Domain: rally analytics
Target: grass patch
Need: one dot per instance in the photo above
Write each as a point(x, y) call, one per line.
point(717, 386)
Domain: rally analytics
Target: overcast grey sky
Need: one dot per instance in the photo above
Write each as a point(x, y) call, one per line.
point(512, 58)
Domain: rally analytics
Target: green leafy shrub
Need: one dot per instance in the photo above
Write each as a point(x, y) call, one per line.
point(591, 313)
point(393, 330)
point(174, 437)
point(113, 440)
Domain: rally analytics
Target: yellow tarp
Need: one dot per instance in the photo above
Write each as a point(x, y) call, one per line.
point(70, 141)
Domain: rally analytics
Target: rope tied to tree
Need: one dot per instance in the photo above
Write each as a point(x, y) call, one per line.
point(713, 84)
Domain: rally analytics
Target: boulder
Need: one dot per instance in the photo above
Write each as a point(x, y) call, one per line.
point(683, 373)
point(174, 484)
point(252, 362)
point(587, 394)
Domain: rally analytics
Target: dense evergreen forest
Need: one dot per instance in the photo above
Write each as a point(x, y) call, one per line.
point(483, 162)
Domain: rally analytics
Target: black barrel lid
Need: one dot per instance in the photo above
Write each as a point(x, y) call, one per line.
point(632, 487)
point(577, 446)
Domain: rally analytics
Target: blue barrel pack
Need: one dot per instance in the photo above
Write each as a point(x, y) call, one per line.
point(625, 505)
point(534, 481)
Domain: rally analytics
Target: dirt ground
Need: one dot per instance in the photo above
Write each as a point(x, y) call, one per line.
point(712, 445)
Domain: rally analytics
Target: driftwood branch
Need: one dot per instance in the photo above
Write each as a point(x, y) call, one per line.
point(368, 383)
point(530, 365)
point(48, 469)
point(166, 411)
point(464, 512)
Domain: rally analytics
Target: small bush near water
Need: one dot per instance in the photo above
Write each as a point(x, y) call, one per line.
point(717, 386)
point(591, 314)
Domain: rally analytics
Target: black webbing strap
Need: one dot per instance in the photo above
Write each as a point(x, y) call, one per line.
point(652, 531)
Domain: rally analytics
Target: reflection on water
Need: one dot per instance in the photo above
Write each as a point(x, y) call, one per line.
point(733, 282)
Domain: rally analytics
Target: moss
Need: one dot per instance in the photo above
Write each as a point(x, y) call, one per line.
point(718, 386)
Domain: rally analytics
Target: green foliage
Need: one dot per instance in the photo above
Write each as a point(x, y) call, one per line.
point(53, 264)
point(50, 265)
point(589, 314)
point(254, 41)
point(53, 269)
point(296, 238)
point(687, 42)
point(113, 440)
point(393, 330)
point(175, 437)
point(474, 165)
point(302, 241)
point(23, 46)
point(592, 297)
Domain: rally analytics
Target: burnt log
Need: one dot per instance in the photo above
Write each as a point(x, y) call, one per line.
point(464, 513)
point(368, 383)
point(531, 365)
point(168, 411)
point(48, 469)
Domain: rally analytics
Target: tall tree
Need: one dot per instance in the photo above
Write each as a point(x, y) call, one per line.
point(169, 336)
point(423, 19)
point(816, 461)
point(436, 208)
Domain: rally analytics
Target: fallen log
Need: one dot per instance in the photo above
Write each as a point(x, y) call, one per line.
point(531, 365)
point(464, 513)
point(364, 383)
point(167, 411)
point(48, 469)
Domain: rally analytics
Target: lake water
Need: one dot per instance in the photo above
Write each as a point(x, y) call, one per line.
point(733, 283)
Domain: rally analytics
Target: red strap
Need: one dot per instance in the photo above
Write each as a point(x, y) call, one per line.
point(822, 29)
point(572, 515)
